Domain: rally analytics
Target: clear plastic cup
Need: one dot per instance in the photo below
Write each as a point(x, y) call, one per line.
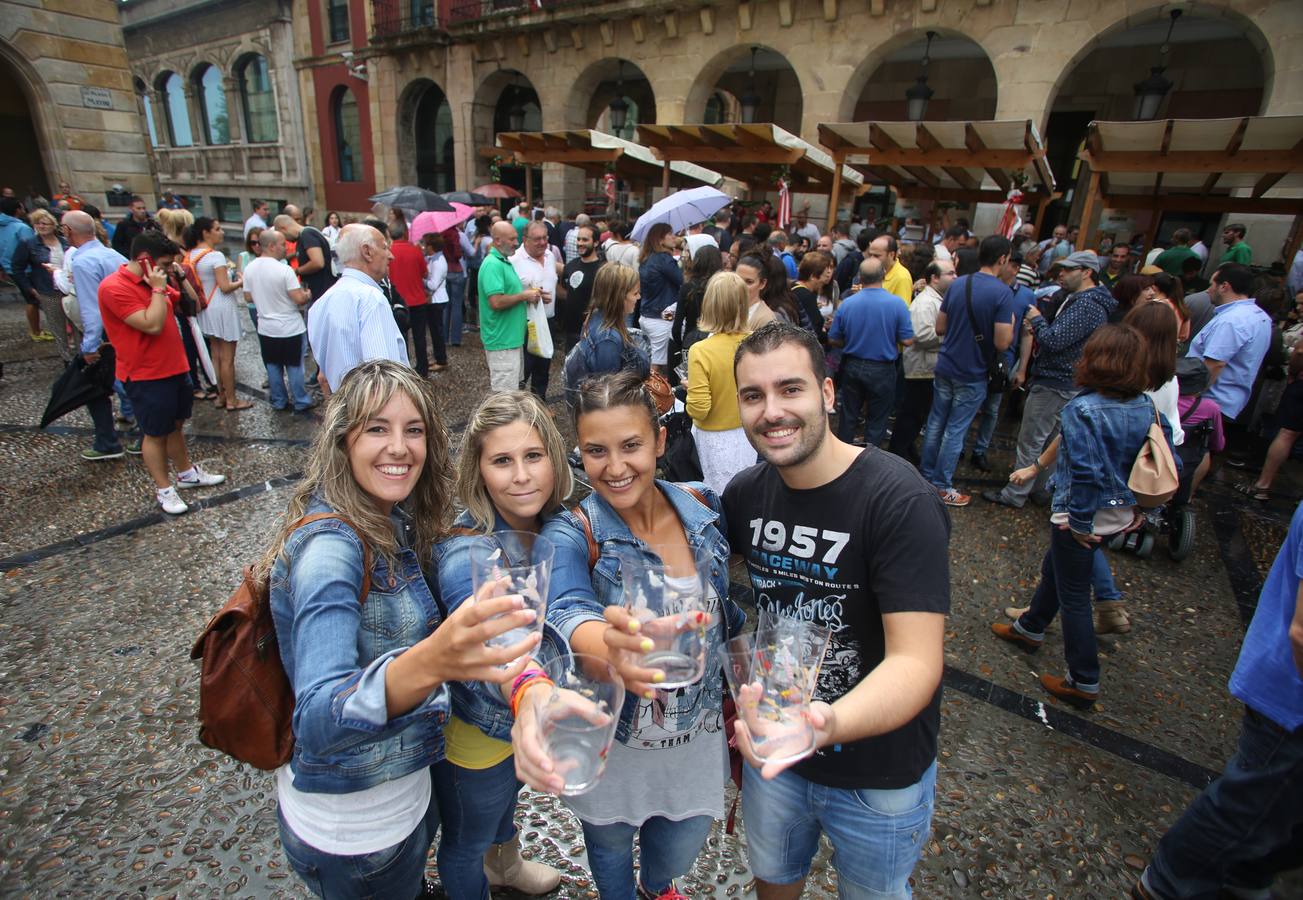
point(513, 562)
point(577, 718)
point(669, 601)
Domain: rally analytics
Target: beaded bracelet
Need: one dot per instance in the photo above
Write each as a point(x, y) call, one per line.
point(518, 689)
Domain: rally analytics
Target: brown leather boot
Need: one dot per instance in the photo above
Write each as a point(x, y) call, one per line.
point(505, 867)
point(1111, 618)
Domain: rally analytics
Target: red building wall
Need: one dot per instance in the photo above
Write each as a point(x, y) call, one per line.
point(326, 81)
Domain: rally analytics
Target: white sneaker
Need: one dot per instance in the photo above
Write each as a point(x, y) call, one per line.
point(197, 477)
point(171, 501)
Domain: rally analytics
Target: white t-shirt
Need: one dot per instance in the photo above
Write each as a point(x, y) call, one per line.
point(207, 269)
point(1165, 399)
point(436, 277)
point(532, 273)
point(365, 821)
point(269, 281)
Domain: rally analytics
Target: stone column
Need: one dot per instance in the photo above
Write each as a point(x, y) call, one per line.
point(234, 109)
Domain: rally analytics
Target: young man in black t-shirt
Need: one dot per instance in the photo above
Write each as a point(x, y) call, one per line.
point(854, 539)
point(577, 279)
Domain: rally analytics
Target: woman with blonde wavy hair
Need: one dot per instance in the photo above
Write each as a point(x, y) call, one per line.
point(175, 223)
point(368, 652)
point(722, 444)
point(512, 475)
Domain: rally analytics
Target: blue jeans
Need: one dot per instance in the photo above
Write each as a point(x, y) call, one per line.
point(452, 323)
point(106, 435)
point(395, 871)
point(954, 404)
point(1101, 580)
point(876, 835)
point(276, 376)
point(986, 427)
point(1066, 574)
point(864, 381)
point(668, 849)
point(1245, 827)
point(477, 808)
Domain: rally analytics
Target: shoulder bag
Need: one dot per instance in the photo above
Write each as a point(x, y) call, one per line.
point(997, 369)
point(1154, 477)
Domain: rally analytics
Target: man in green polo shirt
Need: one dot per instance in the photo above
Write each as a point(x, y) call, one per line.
point(502, 311)
point(1236, 250)
point(1173, 258)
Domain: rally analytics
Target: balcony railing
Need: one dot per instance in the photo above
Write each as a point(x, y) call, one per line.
point(475, 10)
point(391, 18)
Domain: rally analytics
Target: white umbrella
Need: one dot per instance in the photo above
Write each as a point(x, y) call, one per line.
point(681, 209)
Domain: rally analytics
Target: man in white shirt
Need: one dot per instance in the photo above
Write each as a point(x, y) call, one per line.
point(352, 322)
point(537, 267)
point(949, 243)
point(258, 219)
point(696, 238)
point(805, 228)
point(274, 290)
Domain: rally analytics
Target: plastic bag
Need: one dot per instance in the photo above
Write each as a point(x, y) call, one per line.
point(538, 337)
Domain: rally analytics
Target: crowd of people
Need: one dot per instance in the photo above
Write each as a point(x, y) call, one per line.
point(832, 382)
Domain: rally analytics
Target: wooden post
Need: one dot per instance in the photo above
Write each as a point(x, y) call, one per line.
point(1041, 207)
point(1088, 207)
point(1292, 244)
point(529, 186)
point(1151, 234)
point(665, 176)
point(835, 196)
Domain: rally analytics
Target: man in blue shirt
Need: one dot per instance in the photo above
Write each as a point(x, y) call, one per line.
point(1022, 298)
point(1243, 828)
point(1233, 344)
point(92, 262)
point(959, 386)
point(868, 326)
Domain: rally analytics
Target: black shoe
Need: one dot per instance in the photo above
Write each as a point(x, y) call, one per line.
point(999, 498)
point(979, 462)
point(1042, 498)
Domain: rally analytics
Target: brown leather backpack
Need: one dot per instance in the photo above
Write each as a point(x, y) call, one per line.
point(246, 703)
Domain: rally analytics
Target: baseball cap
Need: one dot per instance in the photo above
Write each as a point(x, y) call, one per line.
point(1082, 259)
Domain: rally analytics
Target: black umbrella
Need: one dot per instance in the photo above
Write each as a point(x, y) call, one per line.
point(409, 196)
point(79, 384)
point(470, 198)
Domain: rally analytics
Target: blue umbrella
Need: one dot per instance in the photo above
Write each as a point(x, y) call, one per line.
point(681, 209)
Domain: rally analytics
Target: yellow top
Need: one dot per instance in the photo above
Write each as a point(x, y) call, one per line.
point(466, 746)
point(712, 389)
point(900, 283)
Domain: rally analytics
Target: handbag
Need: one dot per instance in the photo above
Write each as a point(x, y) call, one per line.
point(1154, 477)
point(997, 369)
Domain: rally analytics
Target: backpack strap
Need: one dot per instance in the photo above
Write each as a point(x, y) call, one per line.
point(194, 266)
point(366, 551)
point(595, 551)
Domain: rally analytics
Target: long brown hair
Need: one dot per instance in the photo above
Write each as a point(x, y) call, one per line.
point(329, 472)
point(652, 240)
point(1114, 361)
point(1156, 324)
point(611, 286)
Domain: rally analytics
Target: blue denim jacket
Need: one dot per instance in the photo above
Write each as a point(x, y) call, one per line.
point(476, 702)
point(577, 595)
point(661, 280)
point(1101, 437)
point(336, 653)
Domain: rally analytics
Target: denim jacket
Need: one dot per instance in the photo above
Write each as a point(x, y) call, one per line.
point(601, 350)
point(476, 702)
point(661, 281)
point(1101, 438)
point(577, 595)
point(336, 653)
point(29, 259)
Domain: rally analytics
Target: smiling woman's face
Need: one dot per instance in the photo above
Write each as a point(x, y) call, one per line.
point(517, 473)
point(619, 448)
point(387, 453)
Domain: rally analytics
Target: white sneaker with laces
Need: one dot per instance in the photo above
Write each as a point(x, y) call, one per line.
point(197, 477)
point(171, 501)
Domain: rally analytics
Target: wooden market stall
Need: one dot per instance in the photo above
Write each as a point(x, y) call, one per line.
point(961, 162)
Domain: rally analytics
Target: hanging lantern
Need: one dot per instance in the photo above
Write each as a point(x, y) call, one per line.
point(918, 94)
point(1151, 91)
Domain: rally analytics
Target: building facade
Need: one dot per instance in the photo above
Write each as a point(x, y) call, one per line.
point(443, 78)
point(67, 110)
point(215, 84)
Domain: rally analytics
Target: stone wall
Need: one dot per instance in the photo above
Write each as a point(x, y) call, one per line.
point(66, 57)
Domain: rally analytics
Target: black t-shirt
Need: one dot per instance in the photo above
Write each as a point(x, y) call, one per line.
point(321, 281)
point(578, 280)
point(874, 540)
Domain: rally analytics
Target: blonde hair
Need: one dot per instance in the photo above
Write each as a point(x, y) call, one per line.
point(724, 308)
point(43, 215)
point(174, 223)
point(498, 410)
point(329, 473)
point(611, 286)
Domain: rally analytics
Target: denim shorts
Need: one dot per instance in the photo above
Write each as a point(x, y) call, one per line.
point(877, 835)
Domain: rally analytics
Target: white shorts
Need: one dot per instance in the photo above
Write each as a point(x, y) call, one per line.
point(658, 335)
point(506, 368)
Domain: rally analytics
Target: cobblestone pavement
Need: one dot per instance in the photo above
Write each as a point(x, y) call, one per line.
point(104, 790)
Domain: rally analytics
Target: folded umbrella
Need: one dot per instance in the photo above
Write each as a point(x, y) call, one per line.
point(498, 191)
point(681, 209)
point(79, 384)
point(411, 197)
point(435, 222)
point(470, 198)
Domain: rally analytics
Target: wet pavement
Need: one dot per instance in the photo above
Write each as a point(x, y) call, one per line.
point(104, 790)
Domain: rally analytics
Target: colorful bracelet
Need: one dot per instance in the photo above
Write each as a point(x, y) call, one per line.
point(518, 689)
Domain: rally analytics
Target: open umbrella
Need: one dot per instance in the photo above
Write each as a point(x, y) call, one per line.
point(435, 222)
point(498, 191)
point(681, 209)
point(470, 198)
point(411, 197)
point(79, 384)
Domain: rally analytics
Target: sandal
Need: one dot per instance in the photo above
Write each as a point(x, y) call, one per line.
point(242, 405)
point(199, 395)
point(1253, 492)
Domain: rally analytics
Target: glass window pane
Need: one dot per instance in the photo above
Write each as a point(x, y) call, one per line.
point(337, 14)
point(178, 117)
point(149, 118)
point(348, 135)
point(227, 209)
point(214, 107)
point(259, 103)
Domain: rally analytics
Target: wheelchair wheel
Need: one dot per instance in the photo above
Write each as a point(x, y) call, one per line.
point(1145, 545)
point(1116, 541)
point(1180, 540)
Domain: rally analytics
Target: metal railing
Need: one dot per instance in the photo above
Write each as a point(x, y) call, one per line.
point(474, 10)
point(391, 18)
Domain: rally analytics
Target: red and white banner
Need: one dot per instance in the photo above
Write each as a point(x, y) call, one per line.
point(1010, 221)
point(784, 204)
point(608, 187)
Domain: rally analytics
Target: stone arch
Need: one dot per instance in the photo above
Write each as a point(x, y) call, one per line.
point(486, 118)
point(425, 136)
point(780, 88)
point(594, 89)
point(879, 57)
point(48, 134)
